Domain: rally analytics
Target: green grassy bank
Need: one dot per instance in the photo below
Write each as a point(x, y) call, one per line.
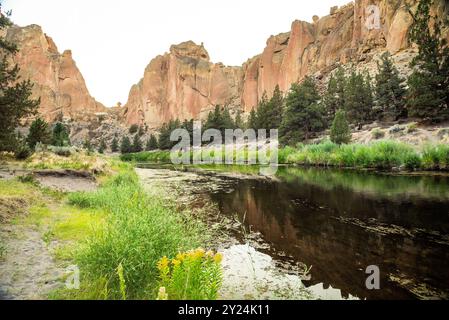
point(383, 155)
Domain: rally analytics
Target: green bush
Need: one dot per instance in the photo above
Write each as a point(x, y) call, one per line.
point(436, 157)
point(22, 151)
point(195, 275)
point(378, 134)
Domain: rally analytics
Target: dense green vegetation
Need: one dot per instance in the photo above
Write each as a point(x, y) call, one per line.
point(383, 155)
point(137, 231)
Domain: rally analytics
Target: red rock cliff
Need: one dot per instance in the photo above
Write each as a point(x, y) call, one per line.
point(184, 83)
point(57, 80)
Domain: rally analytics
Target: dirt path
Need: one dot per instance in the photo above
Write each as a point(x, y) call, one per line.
point(27, 269)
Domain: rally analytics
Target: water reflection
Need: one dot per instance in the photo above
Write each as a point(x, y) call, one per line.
point(341, 222)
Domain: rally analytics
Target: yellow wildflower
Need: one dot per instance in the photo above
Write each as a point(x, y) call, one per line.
point(176, 262)
point(218, 258)
point(163, 264)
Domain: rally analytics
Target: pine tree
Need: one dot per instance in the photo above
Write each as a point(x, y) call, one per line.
point(125, 146)
point(359, 98)
point(390, 90)
point(114, 145)
point(39, 133)
point(428, 96)
point(165, 134)
point(15, 95)
point(276, 108)
point(152, 143)
point(239, 121)
point(334, 98)
point(340, 131)
point(137, 144)
point(303, 115)
point(252, 121)
point(60, 135)
point(263, 112)
point(102, 148)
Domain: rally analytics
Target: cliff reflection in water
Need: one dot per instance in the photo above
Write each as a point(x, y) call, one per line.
point(341, 222)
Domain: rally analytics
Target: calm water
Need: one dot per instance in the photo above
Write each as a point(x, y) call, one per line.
point(340, 222)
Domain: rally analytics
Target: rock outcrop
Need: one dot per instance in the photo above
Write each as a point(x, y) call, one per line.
point(181, 84)
point(184, 83)
point(57, 80)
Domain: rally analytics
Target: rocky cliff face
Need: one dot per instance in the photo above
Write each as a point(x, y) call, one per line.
point(184, 83)
point(181, 84)
point(57, 80)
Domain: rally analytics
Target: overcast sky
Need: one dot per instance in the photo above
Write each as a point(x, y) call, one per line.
point(113, 41)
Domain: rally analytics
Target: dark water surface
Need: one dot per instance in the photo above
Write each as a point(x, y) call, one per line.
point(341, 222)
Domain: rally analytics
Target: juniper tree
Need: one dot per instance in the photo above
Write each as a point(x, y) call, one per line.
point(358, 98)
point(39, 133)
point(137, 144)
point(428, 96)
point(125, 146)
point(340, 131)
point(60, 135)
point(389, 90)
point(152, 143)
point(252, 120)
point(334, 98)
point(303, 115)
point(15, 95)
point(114, 145)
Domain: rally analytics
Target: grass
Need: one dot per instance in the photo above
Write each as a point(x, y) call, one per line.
point(137, 231)
point(382, 154)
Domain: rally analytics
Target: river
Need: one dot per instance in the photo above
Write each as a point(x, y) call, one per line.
point(339, 223)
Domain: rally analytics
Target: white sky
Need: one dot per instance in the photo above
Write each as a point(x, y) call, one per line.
point(113, 41)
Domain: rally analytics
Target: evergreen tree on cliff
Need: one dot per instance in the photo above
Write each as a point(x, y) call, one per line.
point(428, 96)
point(340, 131)
point(303, 115)
point(15, 95)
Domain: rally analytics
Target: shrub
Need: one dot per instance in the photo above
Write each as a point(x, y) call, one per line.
point(378, 134)
point(340, 132)
point(195, 275)
point(61, 151)
point(436, 157)
point(22, 151)
point(133, 129)
point(412, 162)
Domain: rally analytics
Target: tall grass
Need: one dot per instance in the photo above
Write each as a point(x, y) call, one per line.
point(138, 231)
point(378, 155)
point(383, 154)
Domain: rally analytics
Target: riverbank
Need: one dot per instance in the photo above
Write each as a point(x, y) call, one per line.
point(115, 234)
point(380, 155)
